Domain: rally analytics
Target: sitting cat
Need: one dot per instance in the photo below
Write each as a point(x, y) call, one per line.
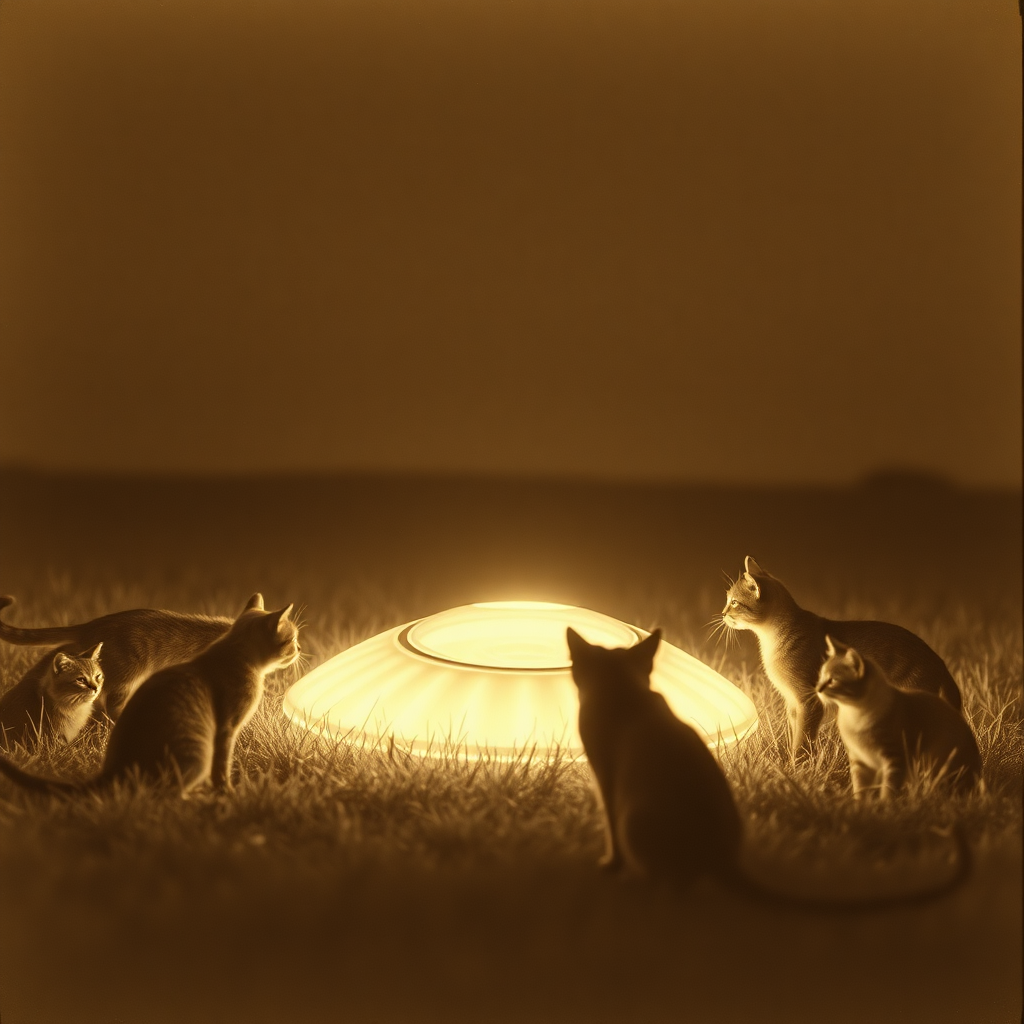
point(792, 644)
point(183, 721)
point(55, 698)
point(668, 810)
point(137, 643)
point(887, 732)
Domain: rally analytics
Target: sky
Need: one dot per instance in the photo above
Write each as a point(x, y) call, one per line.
point(735, 241)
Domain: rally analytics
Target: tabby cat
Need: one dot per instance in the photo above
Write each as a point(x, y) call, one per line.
point(182, 723)
point(792, 644)
point(668, 810)
point(54, 699)
point(890, 733)
point(136, 643)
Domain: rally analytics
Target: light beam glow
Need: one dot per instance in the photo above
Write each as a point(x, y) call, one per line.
point(494, 678)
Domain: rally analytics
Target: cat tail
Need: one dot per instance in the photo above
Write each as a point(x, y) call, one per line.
point(747, 886)
point(34, 637)
point(38, 783)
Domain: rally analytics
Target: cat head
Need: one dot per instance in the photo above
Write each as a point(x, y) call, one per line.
point(601, 668)
point(272, 637)
point(753, 598)
point(843, 676)
point(75, 679)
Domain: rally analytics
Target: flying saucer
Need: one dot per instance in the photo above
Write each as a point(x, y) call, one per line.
point(494, 678)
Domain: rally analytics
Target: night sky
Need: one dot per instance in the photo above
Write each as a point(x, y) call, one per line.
point(696, 240)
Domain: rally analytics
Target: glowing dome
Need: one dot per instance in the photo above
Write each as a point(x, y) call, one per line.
point(494, 677)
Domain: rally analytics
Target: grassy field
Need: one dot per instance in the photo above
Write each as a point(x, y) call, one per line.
point(342, 884)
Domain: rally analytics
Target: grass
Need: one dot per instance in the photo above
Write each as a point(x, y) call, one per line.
point(367, 884)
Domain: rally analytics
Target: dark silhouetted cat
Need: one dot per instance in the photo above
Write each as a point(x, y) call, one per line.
point(888, 733)
point(54, 699)
point(792, 643)
point(136, 643)
point(183, 721)
point(668, 808)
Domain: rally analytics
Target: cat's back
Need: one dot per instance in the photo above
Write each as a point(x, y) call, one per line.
point(906, 660)
point(179, 635)
point(929, 726)
point(174, 706)
point(668, 767)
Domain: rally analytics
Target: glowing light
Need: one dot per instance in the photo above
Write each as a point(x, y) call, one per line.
point(494, 677)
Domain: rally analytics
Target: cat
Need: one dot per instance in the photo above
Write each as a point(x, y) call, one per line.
point(669, 812)
point(182, 723)
point(792, 644)
point(54, 699)
point(136, 643)
point(888, 733)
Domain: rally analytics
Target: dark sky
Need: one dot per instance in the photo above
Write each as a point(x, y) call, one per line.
point(730, 240)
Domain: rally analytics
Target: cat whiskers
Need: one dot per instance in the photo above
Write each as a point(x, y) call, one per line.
point(717, 628)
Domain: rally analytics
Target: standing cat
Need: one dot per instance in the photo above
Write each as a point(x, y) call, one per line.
point(888, 732)
point(792, 644)
point(184, 720)
point(668, 809)
point(55, 698)
point(137, 643)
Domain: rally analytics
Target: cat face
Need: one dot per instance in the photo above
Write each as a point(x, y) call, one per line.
point(603, 668)
point(75, 680)
point(748, 602)
point(842, 676)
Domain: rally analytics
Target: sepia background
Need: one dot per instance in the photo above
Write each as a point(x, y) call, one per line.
point(383, 306)
point(745, 241)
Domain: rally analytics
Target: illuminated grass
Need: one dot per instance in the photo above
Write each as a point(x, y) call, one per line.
point(357, 862)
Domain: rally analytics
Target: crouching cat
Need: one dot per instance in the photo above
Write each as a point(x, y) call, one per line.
point(890, 733)
point(668, 809)
point(137, 643)
point(792, 644)
point(55, 699)
point(183, 721)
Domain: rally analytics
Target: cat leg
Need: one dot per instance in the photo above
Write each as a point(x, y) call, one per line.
point(111, 702)
point(223, 755)
point(804, 722)
point(611, 860)
point(862, 777)
point(894, 774)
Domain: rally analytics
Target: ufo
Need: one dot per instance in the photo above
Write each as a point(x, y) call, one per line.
point(494, 679)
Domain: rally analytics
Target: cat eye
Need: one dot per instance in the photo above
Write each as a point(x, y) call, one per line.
point(734, 603)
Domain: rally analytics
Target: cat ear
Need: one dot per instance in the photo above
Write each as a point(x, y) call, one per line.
point(855, 661)
point(578, 647)
point(61, 662)
point(256, 601)
point(752, 583)
point(752, 567)
point(830, 650)
point(282, 617)
point(643, 653)
point(94, 654)
point(276, 619)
